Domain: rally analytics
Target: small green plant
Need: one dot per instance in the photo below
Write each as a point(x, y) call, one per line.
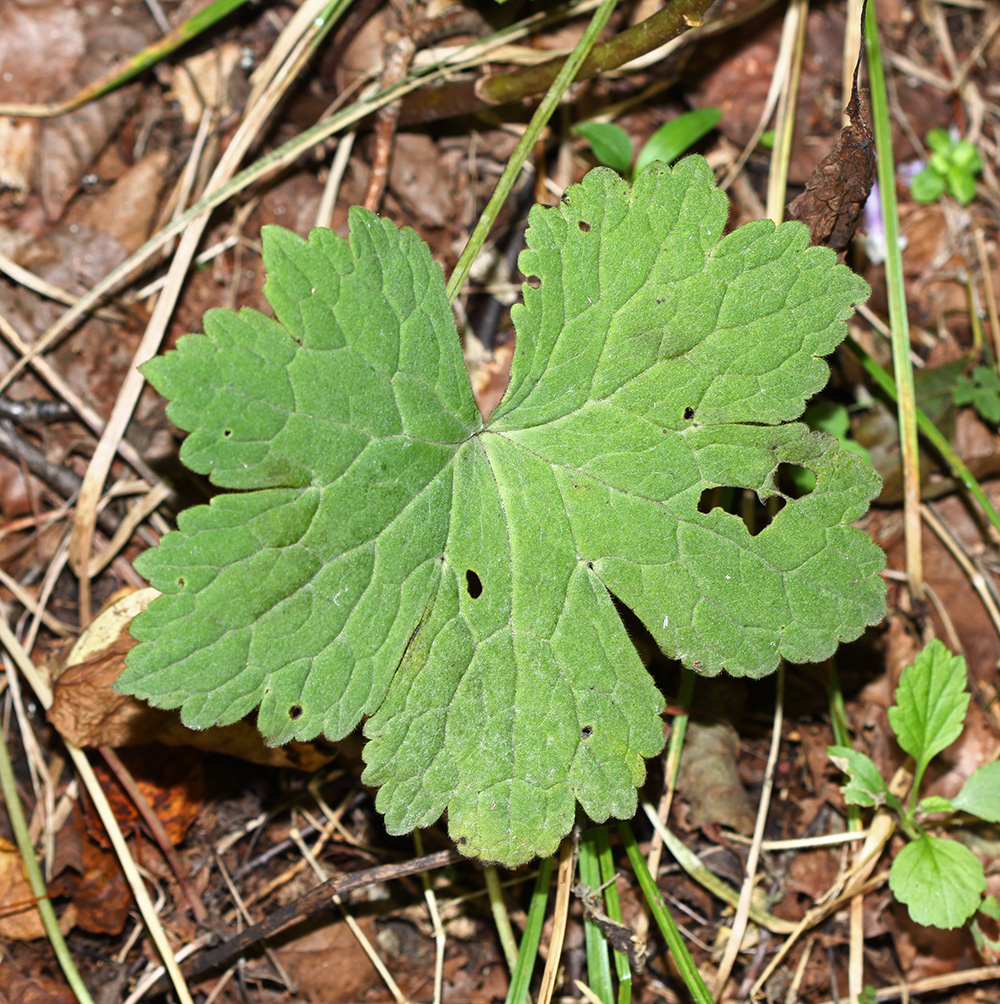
point(982, 391)
point(952, 167)
point(940, 880)
point(388, 555)
point(612, 145)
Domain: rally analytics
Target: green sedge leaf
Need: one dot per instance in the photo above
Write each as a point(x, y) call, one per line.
point(392, 556)
point(980, 795)
point(940, 881)
point(865, 785)
point(611, 144)
point(931, 702)
point(677, 136)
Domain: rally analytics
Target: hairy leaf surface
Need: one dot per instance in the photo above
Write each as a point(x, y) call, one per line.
point(392, 556)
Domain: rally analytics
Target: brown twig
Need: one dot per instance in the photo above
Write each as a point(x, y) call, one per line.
point(398, 58)
point(312, 902)
point(124, 777)
point(60, 479)
point(512, 85)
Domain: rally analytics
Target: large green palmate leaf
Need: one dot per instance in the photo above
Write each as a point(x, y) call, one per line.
point(392, 556)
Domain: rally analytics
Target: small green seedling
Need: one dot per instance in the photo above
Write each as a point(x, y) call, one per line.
point(952, 167)
point(385, 554)
point(982, 391)
point(940, 880)
point(612, 145)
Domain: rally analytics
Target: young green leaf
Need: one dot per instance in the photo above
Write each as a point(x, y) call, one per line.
point(991, 907)
point(961, 183)
point(677, 136)
point(987, 946)
point(940, 881)
point(934, 803)
point(940, 141)
point(982, 391)
point(980, 795)
point(455, 580)
point(865, 785)
point(611, 144)
point(927, 186)
point(931, 703)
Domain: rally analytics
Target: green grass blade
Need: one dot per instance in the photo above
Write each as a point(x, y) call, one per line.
point(898, 319)
point(598, 963)
point(33, 871)
point(501, 918)
point(538, 122)
point(528, 953)
point(682, 957)
point(137, 64)
point(613, 908)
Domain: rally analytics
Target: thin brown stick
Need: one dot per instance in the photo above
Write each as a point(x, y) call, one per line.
point(513, 85)
point(124, 777)
point(398, 59)
point(312, 902)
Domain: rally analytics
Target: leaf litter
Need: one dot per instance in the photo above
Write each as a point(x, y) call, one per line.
point(470, 965)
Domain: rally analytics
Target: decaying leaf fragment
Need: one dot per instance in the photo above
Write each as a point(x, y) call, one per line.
point(837, 190)
point(390, 554)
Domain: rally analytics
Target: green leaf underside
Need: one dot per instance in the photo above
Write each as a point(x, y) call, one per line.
point(399, 559)
point(940, 881)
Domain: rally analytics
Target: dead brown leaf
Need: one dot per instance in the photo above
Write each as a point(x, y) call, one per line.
point(85, 707)
point(172, 783)
point(69, 143)
point(838, 188)
point(87, 710)
point(19, 919)
point(329, 966)
point(100, 895)
point(709, 778)
point(18, 989)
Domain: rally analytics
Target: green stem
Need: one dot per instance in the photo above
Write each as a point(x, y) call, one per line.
point(613, 908)
point(19, 824)
point(501, 918)
point(682, 957)
point(538, 122)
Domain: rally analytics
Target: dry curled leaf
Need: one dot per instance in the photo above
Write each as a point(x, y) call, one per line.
point(709, 778)
point(19, 917)
point(18, 989)
point(838, 188)
point(69, 144)
point(89, 712)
